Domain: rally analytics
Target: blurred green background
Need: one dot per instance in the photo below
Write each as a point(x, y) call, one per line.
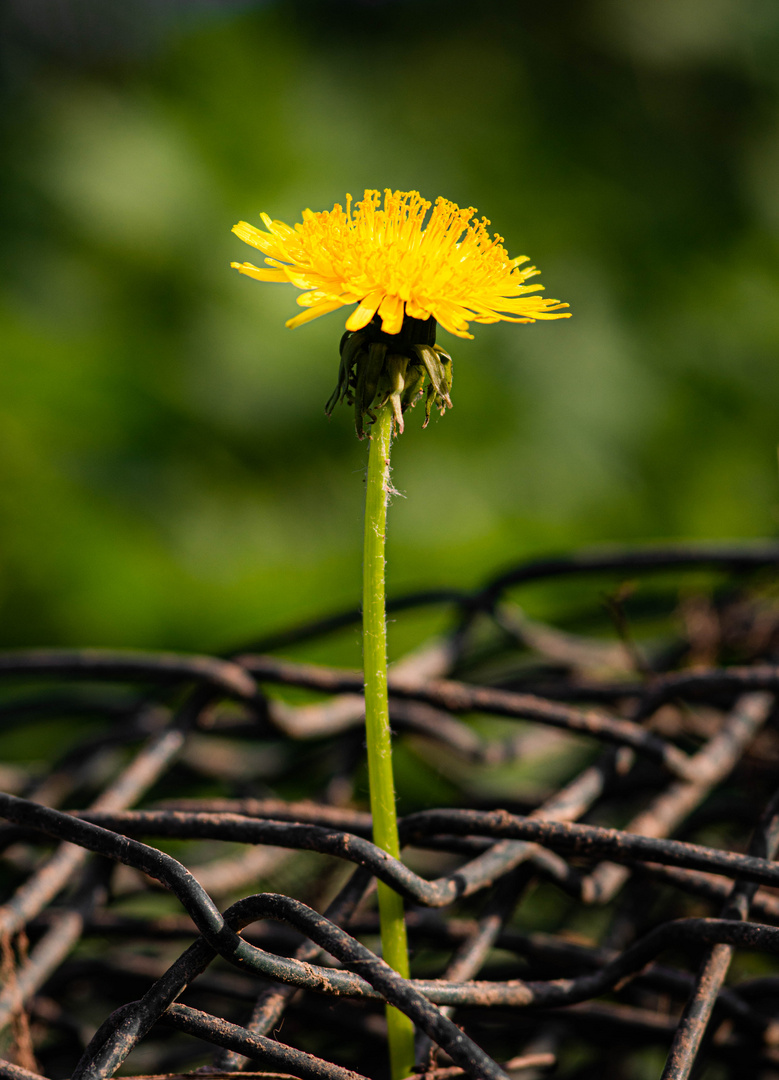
point(168, 476)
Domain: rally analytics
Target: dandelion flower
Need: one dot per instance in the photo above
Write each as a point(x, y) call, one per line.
point(407, 272)
point(385, 259)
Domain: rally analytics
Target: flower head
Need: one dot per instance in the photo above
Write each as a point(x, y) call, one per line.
point(406, 276)
point(385, 259)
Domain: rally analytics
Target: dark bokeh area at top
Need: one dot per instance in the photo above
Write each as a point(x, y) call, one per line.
point(169, 478)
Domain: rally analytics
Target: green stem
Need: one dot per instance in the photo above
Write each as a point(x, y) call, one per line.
point(400, 1030)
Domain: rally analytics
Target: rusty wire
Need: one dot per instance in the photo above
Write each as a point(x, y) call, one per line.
point(577, 925)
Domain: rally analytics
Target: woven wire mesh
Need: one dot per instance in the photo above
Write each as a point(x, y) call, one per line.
point(590, 818)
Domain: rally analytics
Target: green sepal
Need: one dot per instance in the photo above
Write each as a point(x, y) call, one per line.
point(350, 347)
point(395, 377)
point(435, 371)
point(446, 365)
point(369, 372)
point(377, 368)
point(415, 386)
point(429, 399)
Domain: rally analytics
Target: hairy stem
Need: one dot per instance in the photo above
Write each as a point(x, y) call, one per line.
point(382, 786)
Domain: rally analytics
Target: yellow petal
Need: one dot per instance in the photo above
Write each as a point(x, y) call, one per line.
point(260, 275)
point(391, 312)
point(452, 322)
point(301, 280)
point(267, 244)
point(366, 310)
point(313, 313)
point(414, 311)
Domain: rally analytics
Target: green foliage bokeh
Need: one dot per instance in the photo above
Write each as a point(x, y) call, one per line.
point(168, 476)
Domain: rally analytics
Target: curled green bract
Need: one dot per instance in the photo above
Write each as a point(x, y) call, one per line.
point(398, 370)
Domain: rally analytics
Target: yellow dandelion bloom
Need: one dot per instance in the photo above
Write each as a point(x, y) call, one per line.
point(385, 259)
